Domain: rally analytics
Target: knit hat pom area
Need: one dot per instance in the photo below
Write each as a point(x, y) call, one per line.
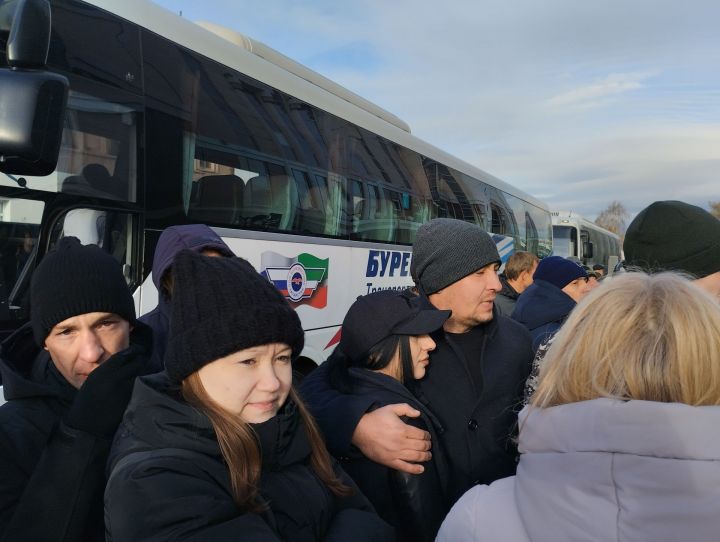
point(74, 279)
point(221, 306)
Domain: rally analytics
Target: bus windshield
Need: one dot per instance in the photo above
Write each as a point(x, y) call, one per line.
point(564, 241)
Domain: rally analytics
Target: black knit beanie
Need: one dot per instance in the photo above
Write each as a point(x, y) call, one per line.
point(76, 279)
point(446, 250)
point(220, 306)
point(674, 236)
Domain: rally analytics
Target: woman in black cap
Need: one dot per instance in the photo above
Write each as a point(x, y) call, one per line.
point(219, 446)
point(384, 347)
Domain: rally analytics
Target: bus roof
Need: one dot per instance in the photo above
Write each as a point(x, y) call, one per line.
point(275, 69)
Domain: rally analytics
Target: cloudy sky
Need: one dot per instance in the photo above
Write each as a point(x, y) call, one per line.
point(578, 103)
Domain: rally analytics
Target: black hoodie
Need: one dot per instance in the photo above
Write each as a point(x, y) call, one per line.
point(169, 481)
point(51, 475)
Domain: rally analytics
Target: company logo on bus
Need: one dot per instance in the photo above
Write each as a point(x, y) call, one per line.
point(302, 280)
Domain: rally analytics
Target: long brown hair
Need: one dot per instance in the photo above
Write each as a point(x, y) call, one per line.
point(241, 450)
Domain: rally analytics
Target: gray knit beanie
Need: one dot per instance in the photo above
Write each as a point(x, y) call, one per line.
point(447, 250)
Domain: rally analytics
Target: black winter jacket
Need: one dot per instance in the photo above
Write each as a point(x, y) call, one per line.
point(478, 421)
point(506, 298)
point(542, 308)
point(414, 504)
point(52, 476)
point(168, 480)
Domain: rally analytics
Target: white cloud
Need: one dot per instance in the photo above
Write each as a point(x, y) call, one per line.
point(591, 95)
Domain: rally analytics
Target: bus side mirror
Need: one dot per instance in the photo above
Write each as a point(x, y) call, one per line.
point(32, 101)
point(587, 249)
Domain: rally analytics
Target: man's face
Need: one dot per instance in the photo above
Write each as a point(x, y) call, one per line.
point(470, 299)
point(710, 283)
point(80, 344)
point(577, 289)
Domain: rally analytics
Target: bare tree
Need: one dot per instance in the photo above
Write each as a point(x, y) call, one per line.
point(613, 218)
point(714, 208)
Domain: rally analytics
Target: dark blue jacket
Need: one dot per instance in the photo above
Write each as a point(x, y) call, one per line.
point(195, 237)
point(542, 308)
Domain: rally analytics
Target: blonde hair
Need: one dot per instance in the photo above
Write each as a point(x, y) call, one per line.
point(637, 336)
point(241, 451)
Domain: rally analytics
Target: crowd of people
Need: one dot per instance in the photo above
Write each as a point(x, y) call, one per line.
point(548, 403)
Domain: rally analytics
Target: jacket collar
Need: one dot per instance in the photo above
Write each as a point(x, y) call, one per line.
point(27, 370)
point(283, 439)
point(507, 290)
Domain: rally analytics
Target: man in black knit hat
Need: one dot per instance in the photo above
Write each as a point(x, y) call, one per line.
point(474, 381)
point(67, 377)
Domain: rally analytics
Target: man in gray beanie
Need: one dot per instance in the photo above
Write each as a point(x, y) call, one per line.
point(473, 382)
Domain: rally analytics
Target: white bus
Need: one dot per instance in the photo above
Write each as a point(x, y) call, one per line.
point(576, 236)
point(170, 122)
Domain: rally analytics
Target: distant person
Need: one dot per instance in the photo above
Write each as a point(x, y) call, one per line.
point(518, 275)
point(593, 277)
point(196, 237)
point(621, 439)
point(67, 377)
point(600, 270)
point(676, 236)
point(384, 349)
point(219, 446)
point(558, 285)
point(474, 381)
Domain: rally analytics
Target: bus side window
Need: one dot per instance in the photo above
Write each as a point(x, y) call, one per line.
point(357, 210)
point(269, 198)
point(335, 223)
point(498, 220)
point(216, 199)
point(311, 205)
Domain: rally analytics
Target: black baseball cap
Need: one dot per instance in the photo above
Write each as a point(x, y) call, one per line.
point(374, 317)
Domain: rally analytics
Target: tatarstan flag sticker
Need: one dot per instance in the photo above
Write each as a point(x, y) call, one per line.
point(302, 280)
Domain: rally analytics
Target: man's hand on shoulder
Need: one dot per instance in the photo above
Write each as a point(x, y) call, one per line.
point(384, 438)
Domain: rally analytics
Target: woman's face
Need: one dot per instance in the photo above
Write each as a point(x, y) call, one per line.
point(252, 383)
point(420, 348)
